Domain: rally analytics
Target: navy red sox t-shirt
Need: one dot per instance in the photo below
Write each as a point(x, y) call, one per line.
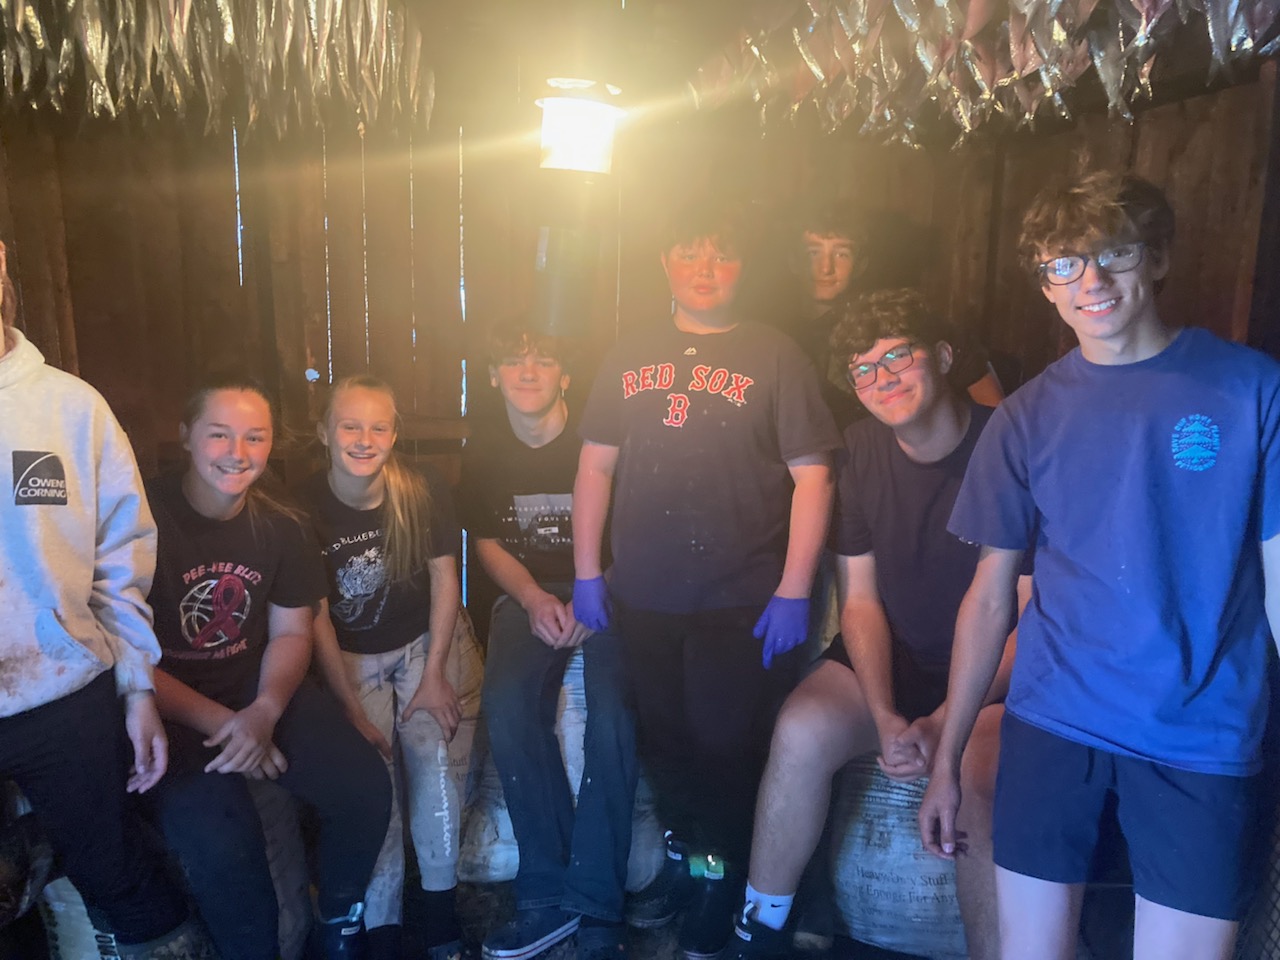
point(705, 425)
point(214, 581)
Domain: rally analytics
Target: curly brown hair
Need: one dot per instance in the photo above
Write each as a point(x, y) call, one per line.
point(1083, 213)
point(519, 335)
point(887, 313)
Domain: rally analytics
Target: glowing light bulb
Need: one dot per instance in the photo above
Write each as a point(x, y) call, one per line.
point(577, 133)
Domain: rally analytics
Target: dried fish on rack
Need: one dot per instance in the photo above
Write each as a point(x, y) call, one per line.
point(889, 63)
point(287, 58)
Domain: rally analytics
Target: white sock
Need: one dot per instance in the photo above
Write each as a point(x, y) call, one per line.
point(771, 909)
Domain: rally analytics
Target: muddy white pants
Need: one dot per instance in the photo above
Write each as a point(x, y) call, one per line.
point(429, 776)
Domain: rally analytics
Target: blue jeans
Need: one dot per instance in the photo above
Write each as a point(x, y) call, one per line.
point(574, 859)
point(210, 821)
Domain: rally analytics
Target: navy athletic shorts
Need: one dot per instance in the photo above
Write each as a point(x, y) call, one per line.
point(1196, 841)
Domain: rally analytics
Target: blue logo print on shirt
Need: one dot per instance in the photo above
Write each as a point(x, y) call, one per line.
point(1196, 443)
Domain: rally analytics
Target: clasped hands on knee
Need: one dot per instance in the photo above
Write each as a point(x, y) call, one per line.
point(552, 621)
point(246, 741)
point(907, 749)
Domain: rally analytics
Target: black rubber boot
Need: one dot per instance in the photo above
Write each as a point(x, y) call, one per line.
point(345, 938)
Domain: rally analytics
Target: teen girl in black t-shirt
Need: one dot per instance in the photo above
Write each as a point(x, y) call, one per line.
point(394, 649)
point(237, 583)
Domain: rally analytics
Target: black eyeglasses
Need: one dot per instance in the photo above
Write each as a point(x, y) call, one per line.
point(1063, 270)
point(894, 360)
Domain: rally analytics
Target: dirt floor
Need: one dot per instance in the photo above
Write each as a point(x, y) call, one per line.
point(1106, 932)
point(484, 906)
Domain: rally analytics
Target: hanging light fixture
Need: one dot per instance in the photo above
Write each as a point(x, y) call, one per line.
point(578, 125)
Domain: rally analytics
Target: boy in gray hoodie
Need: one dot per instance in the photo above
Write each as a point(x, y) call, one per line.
point(77, 554)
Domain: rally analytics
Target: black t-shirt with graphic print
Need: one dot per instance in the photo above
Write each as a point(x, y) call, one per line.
point(705, 425)
point(370, 614)
point(214, 581)
point(523, 496)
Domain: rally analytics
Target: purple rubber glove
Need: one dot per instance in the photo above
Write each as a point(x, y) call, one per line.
point(783, 626)
point(591, 603)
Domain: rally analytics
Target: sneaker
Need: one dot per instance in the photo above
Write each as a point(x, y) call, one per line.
point(446, 951)
point(602, 941)
point(755, 940)
point(666, 895)
point(529, 933)
point(708, 923)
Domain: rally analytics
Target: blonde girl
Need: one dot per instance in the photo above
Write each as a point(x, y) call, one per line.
point(385, 642)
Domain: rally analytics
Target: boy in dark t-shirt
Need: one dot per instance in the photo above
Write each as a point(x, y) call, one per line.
point(518, 499)
point(714, 443)
point(882, 685)
point(1146, 463)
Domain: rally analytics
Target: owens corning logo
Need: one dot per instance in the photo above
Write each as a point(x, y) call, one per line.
point(38, 478)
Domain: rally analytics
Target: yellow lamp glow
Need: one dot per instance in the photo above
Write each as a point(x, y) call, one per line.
point(577, 133)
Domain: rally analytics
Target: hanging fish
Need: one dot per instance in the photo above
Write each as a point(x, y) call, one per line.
point(1219, 17)
point(1256, 19)
point(1025, 57)
point(1106, 48)
point(343, 39)
point(1143, 16)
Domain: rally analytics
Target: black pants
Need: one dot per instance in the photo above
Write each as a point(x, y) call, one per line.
point(705, 708)
point(71, 759)
point(212, 825)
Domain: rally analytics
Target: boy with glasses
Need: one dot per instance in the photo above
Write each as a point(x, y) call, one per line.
point(1146, 465)
point(881, 686)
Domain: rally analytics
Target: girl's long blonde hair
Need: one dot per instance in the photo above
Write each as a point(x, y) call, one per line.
point(406, 501)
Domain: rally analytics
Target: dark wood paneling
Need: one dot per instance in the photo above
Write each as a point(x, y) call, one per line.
point(286, 186)
point(223, 333)
point(389, 221)
point(1264, 315)
point(107, 275)
point(437, 301)
point(38, 251)
point(344, 210)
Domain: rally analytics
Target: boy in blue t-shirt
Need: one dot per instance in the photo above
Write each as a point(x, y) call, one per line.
point(1146, 464)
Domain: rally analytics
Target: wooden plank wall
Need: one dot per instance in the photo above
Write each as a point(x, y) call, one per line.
point(123, 240)
point(141, 267)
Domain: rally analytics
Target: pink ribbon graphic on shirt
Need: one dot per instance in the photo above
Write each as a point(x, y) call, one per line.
point(225, 598)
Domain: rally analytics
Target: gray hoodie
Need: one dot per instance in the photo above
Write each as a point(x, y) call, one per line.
point(77, 542)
